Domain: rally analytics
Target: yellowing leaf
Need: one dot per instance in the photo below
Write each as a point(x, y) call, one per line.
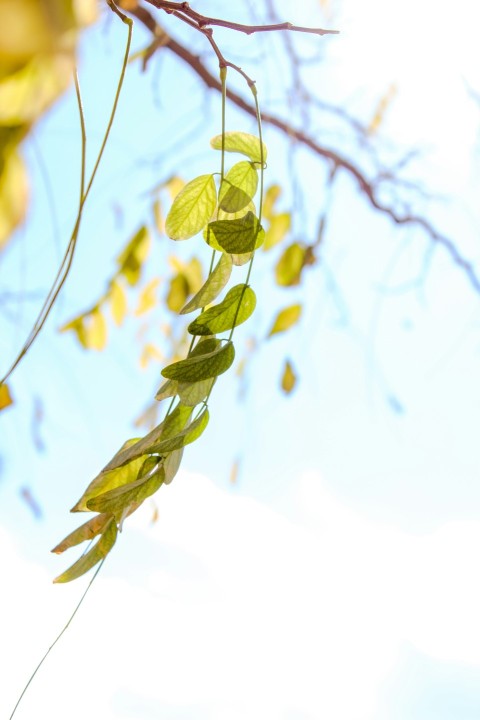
point(5, 397)
point(177, 293)
point(285, 319)
point(97, 553)
point(95, 327)
point(150, 353)
point(270, 198)
point(87, 531)
point(174, 186)
point(279, 226)
point(243, 143)
point(131, 259)
point(192, 208)
point(118, 302)
point(78, 327)
point(289, 379)
point(148, 297)
point(13, 195)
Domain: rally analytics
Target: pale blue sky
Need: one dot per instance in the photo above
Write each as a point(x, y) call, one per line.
point(337, 578)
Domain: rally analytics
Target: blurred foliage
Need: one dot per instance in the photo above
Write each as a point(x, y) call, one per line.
point(38, 40)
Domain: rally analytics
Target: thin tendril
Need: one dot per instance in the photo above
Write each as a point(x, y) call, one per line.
point(32, 676)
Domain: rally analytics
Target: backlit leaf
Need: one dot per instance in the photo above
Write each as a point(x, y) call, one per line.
point(212, 287)
point(110, 479)
point(97, 553)
point(192, 394)
point(121, 499)
point(148, 297)
point(13, 195)
point(87, 531)
point(171, 465)
point(239, 187)
point(170, 426)
point(185, 437)
point(289, 268)
point(167, 390)
point(236, 236)
point(131, 259)
point(238, 305)
point(192, 208)
point(279, 226)
point(289, 379)
point(5, 396)
point(150, 353)
point(285, 319)
point(96, 331)
point(243, 143)
point(202, 366)
point(118, 302)
point(270, 198)
point(177, 292)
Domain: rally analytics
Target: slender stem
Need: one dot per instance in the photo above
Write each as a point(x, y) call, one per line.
point(32, 676)
point(83, 131)
point(67, 260)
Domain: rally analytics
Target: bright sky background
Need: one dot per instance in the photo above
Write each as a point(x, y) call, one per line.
point(338, 579)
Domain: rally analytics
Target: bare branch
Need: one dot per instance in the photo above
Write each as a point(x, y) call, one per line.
point(335, 159)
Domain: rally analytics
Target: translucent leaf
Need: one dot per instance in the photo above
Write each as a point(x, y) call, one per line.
point(118, 302)
point(269, 199)
point(279, 226)
point(170, 426)
point(192, 270)
point(192, 394)
point(239, 187)
point(185, 437)
point(97, 553)
point(5, 397)
point(285, 319)
point(167, 390)
point(241, 259)
point(131, 259)
point(158, 216)
point(87, 531)
point(192, 208)
point(238, 305)
point(202, 366)
point(171, 465)
point(13, 195)
point(289, 379)
point(110, 479)
point(96, 332)
point(150, 353)
point(289, 268)
point(243, 143)
point(120, 500)
point(177, 293)
point(236, 236)
point(212, 287)
point(78, 327)
point(148, 297)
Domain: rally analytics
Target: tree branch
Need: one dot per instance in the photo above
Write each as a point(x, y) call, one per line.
point(335, 159)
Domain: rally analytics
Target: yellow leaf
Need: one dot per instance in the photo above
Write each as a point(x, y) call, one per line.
point(148, 298)
point(131, 259)
point(381, 109)
point(289, 379)
point(78, 327)
point(270, 198)
point(5, 397)
point(279, 226)
point(149, 353)
point(158, 216)
point(178, 293)
point(174, 185)
point(13, 195)
point(285, 319)
point(118, 302)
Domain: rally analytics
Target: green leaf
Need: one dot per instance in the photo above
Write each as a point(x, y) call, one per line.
point(191, 394)
point(279, 226)
point(289, 378)
point(167, 390)
point(285, 319)
point(203, 366)
point(170, 426)
point(236, 236)
point(110, 478)
point(177, 292)
point(87, 531)
point(97, 553)
point(238, 305)
point(239, 187)
point(212, 287)
point(120, 500)
point(171, 465)
point(131, 259)
point(192, 208)
point(185, 437)
point(243, 143)
point(289, 268)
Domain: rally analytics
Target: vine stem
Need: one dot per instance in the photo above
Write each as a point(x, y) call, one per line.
point(67, 260)
point(79, 604)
